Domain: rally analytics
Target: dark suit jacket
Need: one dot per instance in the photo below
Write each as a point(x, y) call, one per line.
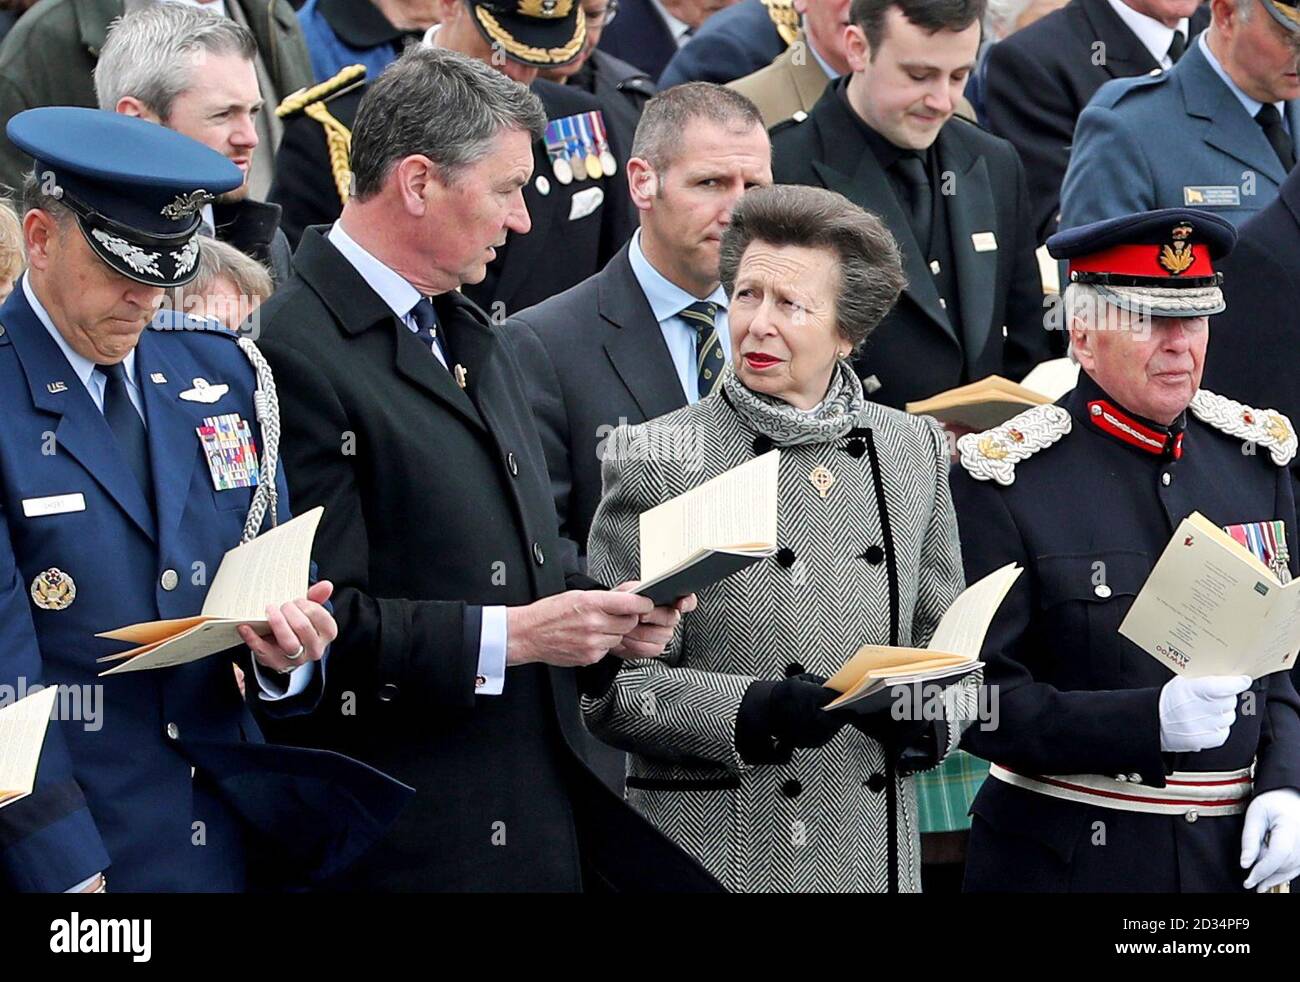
point(593, 359)
point(436, 504)
point(1254, 351)
point(557, 252)
point(1039, 79)
point(735, 42)
point(640, 36)
point(915, 353)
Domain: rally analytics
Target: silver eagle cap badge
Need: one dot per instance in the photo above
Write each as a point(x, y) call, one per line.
point(187, 204)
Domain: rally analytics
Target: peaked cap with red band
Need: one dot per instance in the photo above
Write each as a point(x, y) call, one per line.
point(1156, 263)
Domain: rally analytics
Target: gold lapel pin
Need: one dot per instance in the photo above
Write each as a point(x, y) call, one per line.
point(461, 375)
point(822, 479)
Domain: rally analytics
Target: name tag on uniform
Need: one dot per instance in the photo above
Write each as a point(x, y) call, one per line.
point(1212, 195)
point(55, 504)
point(229, 450)
point(984, 241)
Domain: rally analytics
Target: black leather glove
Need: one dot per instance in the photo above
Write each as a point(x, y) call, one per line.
point(912, 744)
point(775, 718)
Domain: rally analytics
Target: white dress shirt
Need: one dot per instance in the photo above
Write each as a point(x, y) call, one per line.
point(667, 300)
point(1155, 36)
point(400, 297)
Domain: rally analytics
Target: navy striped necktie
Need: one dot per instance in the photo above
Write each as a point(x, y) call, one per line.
point(702, 317)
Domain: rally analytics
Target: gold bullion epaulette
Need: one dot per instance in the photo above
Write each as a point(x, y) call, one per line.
point(1262, 427)
point(993, 454)
point(785, 17)
point(345, 81)
point(338, 138)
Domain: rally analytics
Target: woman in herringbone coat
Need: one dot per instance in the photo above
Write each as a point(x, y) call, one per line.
point(731, 754)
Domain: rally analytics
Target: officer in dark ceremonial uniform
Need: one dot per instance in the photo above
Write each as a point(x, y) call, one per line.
point(1109, 772)
point(577, 198)
point(131, 460)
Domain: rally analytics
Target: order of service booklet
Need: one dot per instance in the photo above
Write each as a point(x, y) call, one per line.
point(993, 400)
point(273, 568)
point(866, 679)
point(22, 734)
point(1210, 607)
point(711, 531)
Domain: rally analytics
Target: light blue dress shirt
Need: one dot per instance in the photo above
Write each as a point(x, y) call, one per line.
point(1252, 106)
point(825, 65)
point(667, 300)
point(273, 688)
point(400, 297)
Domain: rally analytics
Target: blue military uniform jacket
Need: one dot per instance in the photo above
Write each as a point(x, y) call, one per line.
point(172, 790)
point(1179, 138)
point(1087, 517)
point(735, 42)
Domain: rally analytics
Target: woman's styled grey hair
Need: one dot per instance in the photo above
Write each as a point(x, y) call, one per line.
point(870, 265)
point(440, 104)
point(150, 54)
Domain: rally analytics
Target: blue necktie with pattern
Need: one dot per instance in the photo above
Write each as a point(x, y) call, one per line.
point(701, 316)
point(426, 324)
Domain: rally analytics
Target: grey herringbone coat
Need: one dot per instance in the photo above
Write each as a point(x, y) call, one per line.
point(877, 561)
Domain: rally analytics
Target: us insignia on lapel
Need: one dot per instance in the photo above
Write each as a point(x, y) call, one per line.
point(53, 590)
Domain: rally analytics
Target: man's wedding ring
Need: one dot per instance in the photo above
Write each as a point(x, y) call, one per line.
point(297, 654)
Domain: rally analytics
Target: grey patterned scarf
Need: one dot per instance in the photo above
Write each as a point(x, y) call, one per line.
point(787, 426)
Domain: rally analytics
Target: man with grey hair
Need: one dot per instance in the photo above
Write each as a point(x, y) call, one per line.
point(194, 72)
point(50, 55)
point(460, 653)
point(658, 339)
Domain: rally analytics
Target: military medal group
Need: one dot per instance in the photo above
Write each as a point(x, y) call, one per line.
point(579, 149)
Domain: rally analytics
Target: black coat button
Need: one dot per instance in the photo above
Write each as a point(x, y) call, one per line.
point(793, 669)
point(762, 444)
point(856, 447)
point(387, 693)
point(785, 556)
point(537, 554)
point(874, 555)
point(792, 788)
point(512, 464)
point(876, 783)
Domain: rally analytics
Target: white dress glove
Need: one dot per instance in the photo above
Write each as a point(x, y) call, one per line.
point(1270, 840)
point(1196, 714)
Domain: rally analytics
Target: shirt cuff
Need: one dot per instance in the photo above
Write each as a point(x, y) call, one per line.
point(83, 884)
point(491, 678)
point(276, 686)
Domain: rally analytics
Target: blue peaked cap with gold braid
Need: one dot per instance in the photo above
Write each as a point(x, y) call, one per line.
point(137, 188)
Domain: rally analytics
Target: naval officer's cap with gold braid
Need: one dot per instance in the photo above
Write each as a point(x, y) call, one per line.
point(540, 33)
